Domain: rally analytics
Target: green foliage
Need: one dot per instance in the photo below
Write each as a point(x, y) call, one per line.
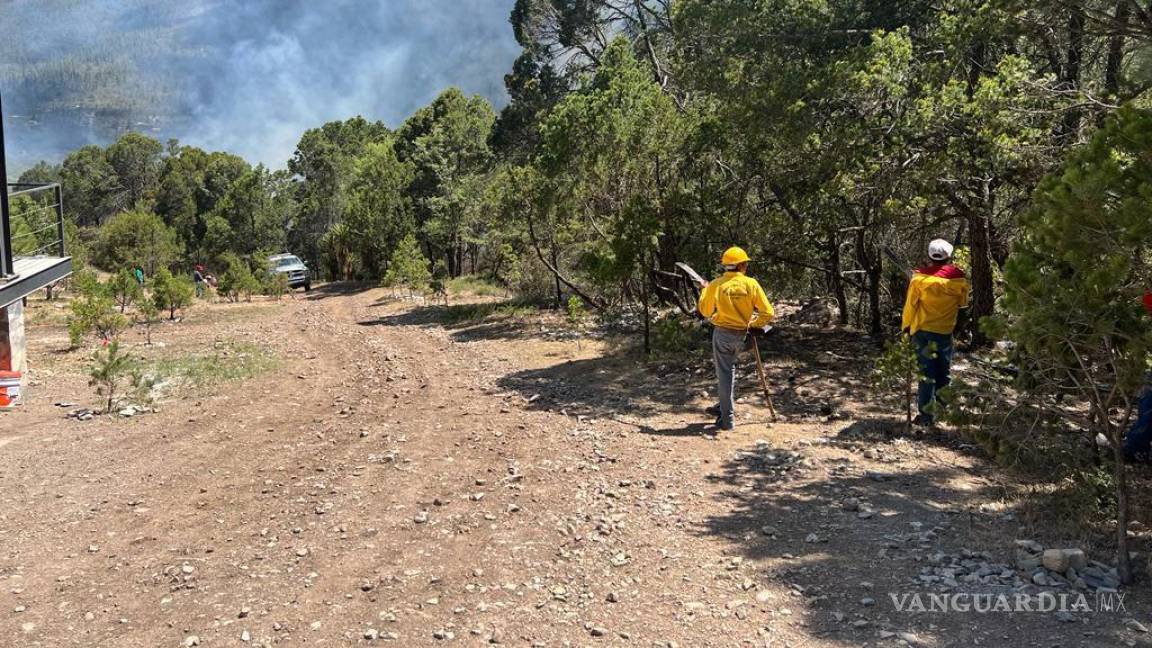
point(227, 362)
point(116, 375)
point(171, 293)
point(238, 281)
point(135, 160)
point(1088, 495)
point(33, 223)
point(608, 150)
point(255, 208)
point(408, 266)
point(896, 373)
point(87, 180)
point(324, 161)
point(676, 335)
point(147, 316)
point(1077, 276)
point(1074, 286)
point(476, 312)
point(380, 212)
point(475, 285)
point(275, 284)
point(338, 246)
point(446, 144)
point(75, 246)
point(137, 237)
point(124, 288)
point(93, 311)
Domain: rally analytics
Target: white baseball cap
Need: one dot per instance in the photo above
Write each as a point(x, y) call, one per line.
point(939, 250)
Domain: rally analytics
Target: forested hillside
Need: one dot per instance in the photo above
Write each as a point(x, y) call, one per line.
point(832, 139)
point(74, 72)
point(248, 77)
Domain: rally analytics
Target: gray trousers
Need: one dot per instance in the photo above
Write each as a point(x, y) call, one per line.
point(726, 345)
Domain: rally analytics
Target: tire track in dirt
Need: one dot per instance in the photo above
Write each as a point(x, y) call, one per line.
point(394, 481)
point(285, 508)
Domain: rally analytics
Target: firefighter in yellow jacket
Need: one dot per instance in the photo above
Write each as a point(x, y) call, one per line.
point(937, 294)
point(734, 303)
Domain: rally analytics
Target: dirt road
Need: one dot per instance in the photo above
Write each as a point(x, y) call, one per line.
point(394, 480)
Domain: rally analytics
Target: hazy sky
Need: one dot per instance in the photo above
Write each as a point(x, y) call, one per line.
point(249, 76)
point(284, 66)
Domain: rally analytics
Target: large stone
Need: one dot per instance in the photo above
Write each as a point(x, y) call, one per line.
point(1076, 558)
point(1056, 560)
point(1030, 546)
point(1026, 561)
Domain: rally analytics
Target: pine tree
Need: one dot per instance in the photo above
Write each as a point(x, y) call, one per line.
point(125, 289)
point(409, 266)
point(238, 280)
point(146, 316)
point(112, 369)
point(93, 311)
point(1074, 286)
point(275, 284)
point(171, 293)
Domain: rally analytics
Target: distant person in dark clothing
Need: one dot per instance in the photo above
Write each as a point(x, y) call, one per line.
point(1138, 439)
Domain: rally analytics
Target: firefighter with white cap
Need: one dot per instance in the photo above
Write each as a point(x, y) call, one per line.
point(734, 303)
point(937, 294)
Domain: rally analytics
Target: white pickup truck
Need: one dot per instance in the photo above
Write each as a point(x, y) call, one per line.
point(291, 265)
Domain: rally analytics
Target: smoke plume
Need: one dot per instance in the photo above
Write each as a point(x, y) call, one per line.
point(245, 76)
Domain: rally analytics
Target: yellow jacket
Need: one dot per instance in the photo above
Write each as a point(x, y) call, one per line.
point(735, 301)
point(935, 296)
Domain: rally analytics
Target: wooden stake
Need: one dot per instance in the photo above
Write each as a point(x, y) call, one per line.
point(763, 380)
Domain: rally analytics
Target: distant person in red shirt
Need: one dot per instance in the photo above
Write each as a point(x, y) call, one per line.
point(199, 279)
point(937, 294)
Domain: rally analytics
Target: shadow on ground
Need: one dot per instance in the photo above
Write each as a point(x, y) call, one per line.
point(803, 517)
point(810, 375)
point(467, 321)
point(337, 289)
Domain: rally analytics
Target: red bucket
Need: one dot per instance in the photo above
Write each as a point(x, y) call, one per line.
point(9, 387)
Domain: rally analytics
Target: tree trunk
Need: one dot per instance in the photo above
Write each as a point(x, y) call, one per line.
point(875, 319)
point(1116, 48)
point(873, 266)
point(647, 313)
point(555, 275)
point(835, 280)
point(1072, 66)
point(1120, 474)
point(983, 299)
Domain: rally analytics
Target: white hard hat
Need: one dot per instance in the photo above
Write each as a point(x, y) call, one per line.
point(939, 250)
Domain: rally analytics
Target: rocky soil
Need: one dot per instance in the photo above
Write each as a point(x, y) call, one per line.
point(395, 481)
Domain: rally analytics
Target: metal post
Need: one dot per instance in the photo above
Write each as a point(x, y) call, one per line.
point(6, 269)
point(58, 192)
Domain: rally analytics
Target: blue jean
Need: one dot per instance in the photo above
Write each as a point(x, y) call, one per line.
point(934, 351)
point(1138, 440)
